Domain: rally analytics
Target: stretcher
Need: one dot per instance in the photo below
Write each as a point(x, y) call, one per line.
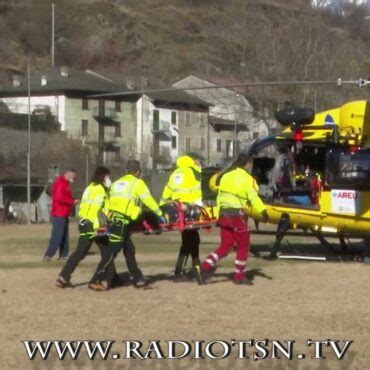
point(179, 216)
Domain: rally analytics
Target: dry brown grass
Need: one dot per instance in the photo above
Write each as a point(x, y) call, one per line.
point(287, 301)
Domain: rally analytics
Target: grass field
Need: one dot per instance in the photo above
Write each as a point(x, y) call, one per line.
point(289, 300)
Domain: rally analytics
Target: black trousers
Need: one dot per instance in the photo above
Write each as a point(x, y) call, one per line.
point(119, 239)
point(85, 241)
point(189, 246)
point(129, 252)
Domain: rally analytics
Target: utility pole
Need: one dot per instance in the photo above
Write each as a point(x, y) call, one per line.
point(143, 73)
point(87, 166)
point(52, 34)
point(85, 146)
point(236, 118)
point(142, 123)
point(29, 144)
point(208, 139)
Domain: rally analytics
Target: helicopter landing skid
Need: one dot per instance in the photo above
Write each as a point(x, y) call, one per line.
point(322, 257)
point(329, 247)
point(331, 255)
point(343, 244)
point(323, 241)
point(283, 227)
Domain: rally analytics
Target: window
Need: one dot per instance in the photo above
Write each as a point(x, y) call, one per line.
point(203, 119)
point(101, 108)
point(174, 142)
point(229, 148)
point(117, 130)
point(187, 118)
point(219, 145)
point(349, 170)
point(117, 106)
point(202, 144)
point(118, 154)
point(173, 118)
point(156, 120)
point(187, 144)
point(85, 104)
point(84, 127)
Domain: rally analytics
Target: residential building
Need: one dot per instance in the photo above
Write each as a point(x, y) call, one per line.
point(232, 120)
point(64, 93)
point(113, 120)
point(167, 118)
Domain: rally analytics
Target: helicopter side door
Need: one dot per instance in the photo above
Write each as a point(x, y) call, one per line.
point(290, 175)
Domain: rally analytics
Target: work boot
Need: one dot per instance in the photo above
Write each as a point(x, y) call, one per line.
point(141, 282)
point(180, 265)
point(62, 283)
point(255, 252)
point(198, 275)
point(208, 273)
point(98, 287)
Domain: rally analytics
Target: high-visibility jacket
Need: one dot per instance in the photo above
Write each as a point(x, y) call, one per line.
point(128, 194)
point(238, 188)
point(184, 183)
point(94, 200)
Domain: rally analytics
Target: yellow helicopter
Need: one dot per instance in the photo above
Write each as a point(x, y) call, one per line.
point(315, 174)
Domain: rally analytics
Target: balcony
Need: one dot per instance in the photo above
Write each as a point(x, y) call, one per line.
point(161, 126)
point(110, 147)
point(110, 143)
point(161, 130)
point(106, 116)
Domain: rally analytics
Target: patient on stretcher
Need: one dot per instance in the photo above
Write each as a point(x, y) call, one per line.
point(174, 212)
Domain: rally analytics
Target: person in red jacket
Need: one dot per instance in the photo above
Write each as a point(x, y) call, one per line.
point(62, 203)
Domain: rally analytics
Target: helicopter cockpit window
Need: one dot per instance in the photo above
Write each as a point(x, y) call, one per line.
point(350, 169)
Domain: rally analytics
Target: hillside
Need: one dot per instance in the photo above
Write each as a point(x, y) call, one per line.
point(47, 149)
point(262, 40)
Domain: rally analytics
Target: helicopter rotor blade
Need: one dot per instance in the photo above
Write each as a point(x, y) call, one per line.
point(339, 82)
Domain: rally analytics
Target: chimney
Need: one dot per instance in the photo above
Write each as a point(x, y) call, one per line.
point(16, 80)
point(44, 80)
point(64, 71)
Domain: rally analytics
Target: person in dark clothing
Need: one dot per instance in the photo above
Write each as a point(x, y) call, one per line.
point(129, 252)
point(190, 242)
point(184, 185)
point(128, 194)
point(92, 217)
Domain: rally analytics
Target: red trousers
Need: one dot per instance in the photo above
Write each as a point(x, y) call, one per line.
point(234, 231)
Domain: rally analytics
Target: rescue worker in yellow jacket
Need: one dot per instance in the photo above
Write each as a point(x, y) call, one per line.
point(127, 195)
point(92, 215)
point(236, 189)
point(184, 185)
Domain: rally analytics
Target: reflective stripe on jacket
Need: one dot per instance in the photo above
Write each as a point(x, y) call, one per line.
point(94, 200)
point(184, 183)
point(127, 195)
point(236, 189)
